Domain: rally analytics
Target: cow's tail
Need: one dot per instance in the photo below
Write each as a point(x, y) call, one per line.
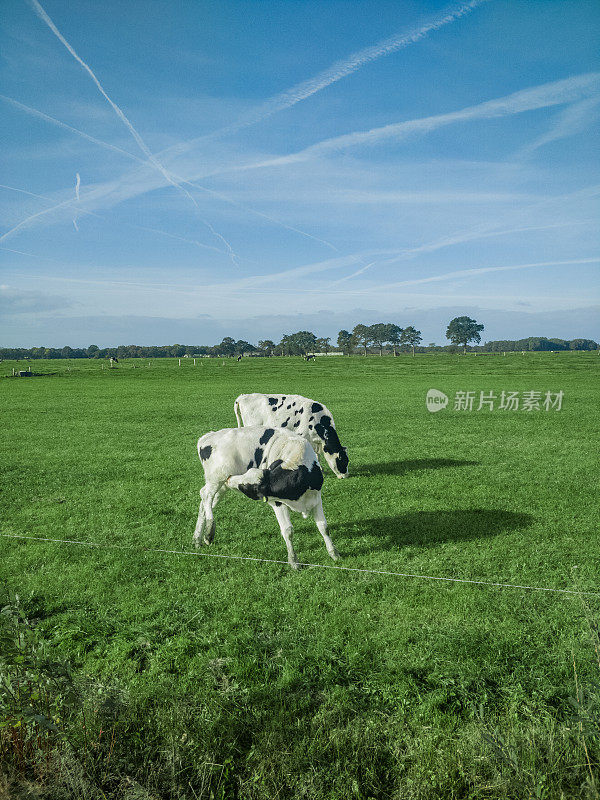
point(238, 414)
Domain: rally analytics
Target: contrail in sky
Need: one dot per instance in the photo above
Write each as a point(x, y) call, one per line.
point(340, 69)
point(572, 120)
point(463, 273)
point(544, 95)
point(477, 233)
point(25, 222)
point(140, 142)
point(36, 113)
point(337, 71)
point(53, 121)
point(54, 207)
point(77, 185)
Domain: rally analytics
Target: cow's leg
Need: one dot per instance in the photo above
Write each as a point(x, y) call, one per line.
point(213, 495)
point(238, 415)
point(321, 522)
point(200, 523)
point(318, 445)
point(218, 495)
point(206, 523)
point(285, 524)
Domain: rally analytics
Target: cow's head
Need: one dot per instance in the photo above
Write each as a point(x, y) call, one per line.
point(335, 455)
point(277, 481)
point(342, 463)
point(254, 483)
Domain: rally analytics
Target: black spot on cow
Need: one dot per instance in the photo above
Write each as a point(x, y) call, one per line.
point(284, 424)
point(272, 401)
point(325, 421)
point(310, 427)
point(292, 484)
point(301, 411)
point(294, 403)
point(266, 436)
point(205, 452)
point(283, 397)
point(288, 407)
point(258, 454)
point(329, 436)
point(296, 424)
point(250, 465)
point(316, 407)
point(277, 503)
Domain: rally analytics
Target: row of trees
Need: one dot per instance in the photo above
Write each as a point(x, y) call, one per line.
point(461, 331)
point(539, 343)
point(379, 335)
point(295, 344)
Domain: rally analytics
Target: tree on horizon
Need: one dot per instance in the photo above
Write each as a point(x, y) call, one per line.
point(379, 335)
point(362, 336)
point(462, 330)
point(345, 342)
point(394, 336)
point(411, 336)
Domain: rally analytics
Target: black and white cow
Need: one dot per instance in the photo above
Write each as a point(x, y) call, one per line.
point(299, 415)
point(267, 464)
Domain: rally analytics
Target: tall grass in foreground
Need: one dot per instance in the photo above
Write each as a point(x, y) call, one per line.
point(67, 736)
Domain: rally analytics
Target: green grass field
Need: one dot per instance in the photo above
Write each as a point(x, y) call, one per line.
point(209, 677)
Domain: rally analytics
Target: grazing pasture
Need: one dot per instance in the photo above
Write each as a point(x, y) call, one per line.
point(210, 677)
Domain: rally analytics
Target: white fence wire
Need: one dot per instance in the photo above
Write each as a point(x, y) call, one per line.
point(202, 553)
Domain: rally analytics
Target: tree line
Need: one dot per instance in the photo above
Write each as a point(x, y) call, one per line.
point(539, 343)
point(380, 337)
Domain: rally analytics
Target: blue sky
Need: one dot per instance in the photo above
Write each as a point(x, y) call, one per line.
point(184, 171)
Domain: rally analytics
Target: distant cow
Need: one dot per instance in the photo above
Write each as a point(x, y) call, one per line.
point(297, 414)
point(264, 464)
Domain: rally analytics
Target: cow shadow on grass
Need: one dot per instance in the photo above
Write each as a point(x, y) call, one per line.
point(412, 465)
point(426, 529)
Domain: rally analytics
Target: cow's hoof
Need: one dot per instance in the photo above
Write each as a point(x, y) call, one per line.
point(335, 555)
point(294, 564)
point(207, 541)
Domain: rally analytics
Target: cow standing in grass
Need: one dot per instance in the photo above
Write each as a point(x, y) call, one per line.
point(265, 464)
point(299, 415)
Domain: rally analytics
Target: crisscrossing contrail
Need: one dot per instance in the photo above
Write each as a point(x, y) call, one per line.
point(140, 142)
